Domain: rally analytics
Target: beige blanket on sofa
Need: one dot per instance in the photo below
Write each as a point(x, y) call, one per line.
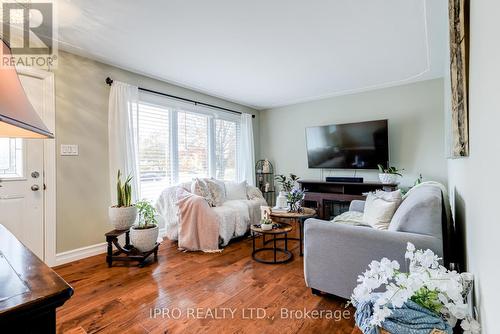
point(198, 224)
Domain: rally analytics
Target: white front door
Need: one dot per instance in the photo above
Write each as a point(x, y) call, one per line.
point(22, 179)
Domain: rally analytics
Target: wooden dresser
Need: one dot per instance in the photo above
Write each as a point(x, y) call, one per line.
point(333, 198)
point(30, 291)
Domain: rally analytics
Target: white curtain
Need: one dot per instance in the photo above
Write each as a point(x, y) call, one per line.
point(246, 151)
point(122, 137)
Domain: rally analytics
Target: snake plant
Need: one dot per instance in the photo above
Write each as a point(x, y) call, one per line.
point(124, 191)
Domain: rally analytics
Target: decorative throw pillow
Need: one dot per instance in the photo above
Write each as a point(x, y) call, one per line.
point(236, 190)
point(217, 191)
point(254, 193)
point(200, 188)
point(391, 196)
point(380, 207)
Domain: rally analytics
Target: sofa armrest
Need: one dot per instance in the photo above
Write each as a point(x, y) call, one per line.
point(335, 254)
point(357, 205)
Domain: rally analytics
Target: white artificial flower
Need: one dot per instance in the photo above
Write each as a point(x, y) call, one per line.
point(361, 293)
point(428, 259)
point(379, 315)
point(410, 250)
point(470, 326)
point(458, 310)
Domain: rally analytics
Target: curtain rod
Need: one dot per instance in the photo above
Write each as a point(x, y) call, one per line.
point(109, 82)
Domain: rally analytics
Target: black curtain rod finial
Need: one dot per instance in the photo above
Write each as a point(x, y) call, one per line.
point(109, 81)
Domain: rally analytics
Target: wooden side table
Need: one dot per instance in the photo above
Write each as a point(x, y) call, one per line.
point(299, 218)
point(127, 252)
point(283, 229)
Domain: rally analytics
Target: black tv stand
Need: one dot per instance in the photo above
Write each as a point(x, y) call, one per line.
point(333, 198)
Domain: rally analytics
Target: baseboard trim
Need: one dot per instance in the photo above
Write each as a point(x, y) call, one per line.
point(80, 253)
point(87, 251)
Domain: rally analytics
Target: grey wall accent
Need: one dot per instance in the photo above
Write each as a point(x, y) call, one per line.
point(416, 122)
point(82, 118)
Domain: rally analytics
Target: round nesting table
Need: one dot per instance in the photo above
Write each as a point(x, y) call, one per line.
point(298, 217)
point(282, 230)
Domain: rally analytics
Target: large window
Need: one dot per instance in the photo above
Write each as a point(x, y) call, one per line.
point(192, 132)
point(226, 134)
point(178, 142)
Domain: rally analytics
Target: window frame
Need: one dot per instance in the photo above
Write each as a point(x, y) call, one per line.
point(174, 107)
point(22, 167)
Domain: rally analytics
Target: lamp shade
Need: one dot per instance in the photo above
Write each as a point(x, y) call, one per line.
point(18, 118)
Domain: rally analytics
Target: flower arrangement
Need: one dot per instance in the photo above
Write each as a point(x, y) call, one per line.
point(294, 198)
point(427, 284)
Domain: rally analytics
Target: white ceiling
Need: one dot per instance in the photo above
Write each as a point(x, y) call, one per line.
point(263, 53)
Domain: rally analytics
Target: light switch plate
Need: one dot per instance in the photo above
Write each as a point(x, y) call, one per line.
point(69, 149)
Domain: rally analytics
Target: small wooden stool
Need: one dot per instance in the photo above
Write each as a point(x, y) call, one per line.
point(128, 252)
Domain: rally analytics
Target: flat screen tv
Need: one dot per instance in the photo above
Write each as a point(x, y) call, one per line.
point(351, 146)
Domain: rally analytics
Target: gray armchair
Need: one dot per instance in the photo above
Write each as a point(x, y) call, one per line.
point(335, 254)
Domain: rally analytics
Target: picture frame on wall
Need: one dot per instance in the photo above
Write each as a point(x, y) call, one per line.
point(459, 77)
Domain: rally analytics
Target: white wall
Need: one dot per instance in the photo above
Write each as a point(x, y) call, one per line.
point(416, 122)
point(473, 181)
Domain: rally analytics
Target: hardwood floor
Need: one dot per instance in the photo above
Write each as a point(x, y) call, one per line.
point(252, 295)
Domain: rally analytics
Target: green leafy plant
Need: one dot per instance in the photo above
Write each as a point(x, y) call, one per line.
point(287, 182)
point(266, 221)
point(390, 170)
point(147, 215)
point(428, 298)
point(124, 191)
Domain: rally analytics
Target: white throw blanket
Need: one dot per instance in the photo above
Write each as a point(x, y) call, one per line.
point(234, 217)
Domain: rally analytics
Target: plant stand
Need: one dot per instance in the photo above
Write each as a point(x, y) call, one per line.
point(127, 252)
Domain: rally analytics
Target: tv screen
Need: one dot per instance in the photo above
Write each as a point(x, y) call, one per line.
point(351, 146)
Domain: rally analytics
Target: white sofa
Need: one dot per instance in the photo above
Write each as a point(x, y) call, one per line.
point(235, 216)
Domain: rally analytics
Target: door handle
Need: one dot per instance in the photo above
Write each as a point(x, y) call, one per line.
point(35, 187)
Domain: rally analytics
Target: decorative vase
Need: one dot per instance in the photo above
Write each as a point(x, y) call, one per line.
point(281, 201)
point(144, 239)
point(122, 218)
point(292, 206)
point(386, 178)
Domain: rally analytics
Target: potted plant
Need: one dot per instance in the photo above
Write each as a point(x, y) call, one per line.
point(389, 175)
point(266, 224)
point(287, 184)
point(122, 216)
point(144, 234)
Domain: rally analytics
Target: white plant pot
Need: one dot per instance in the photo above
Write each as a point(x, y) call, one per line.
point(266, 227)
point(122, 218)
point(386, 178)
point(144, 239)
